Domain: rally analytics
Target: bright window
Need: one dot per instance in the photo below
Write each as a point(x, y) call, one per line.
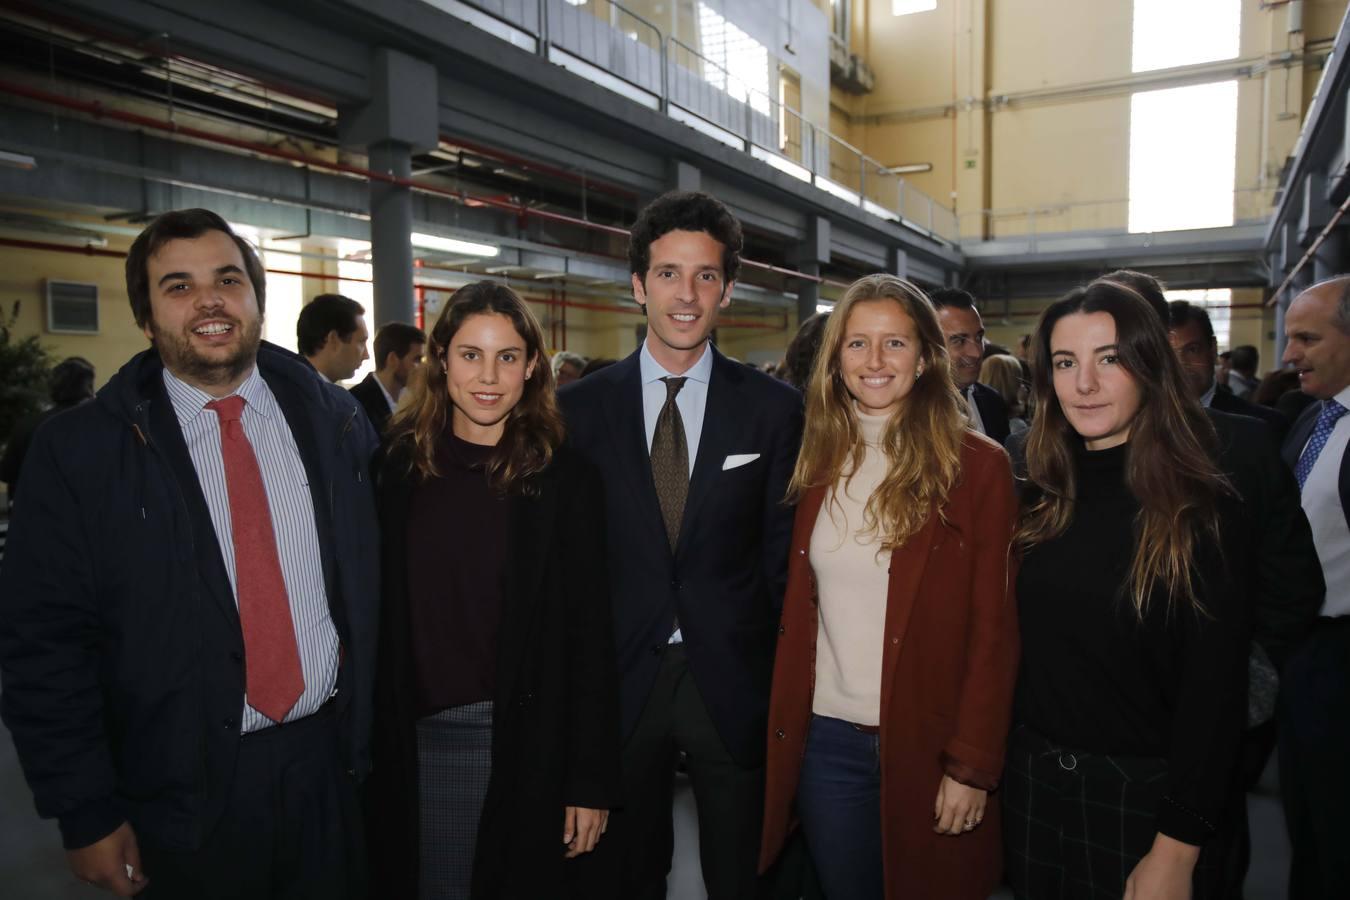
point(354, 262)
point(1168, 33)
point(905, 7)
point(284, 292)
point(1183, 157)
point(1217, 302)
point(741, 63)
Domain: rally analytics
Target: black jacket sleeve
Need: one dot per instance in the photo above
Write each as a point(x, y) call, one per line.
point(593, 767)
point(50, 637)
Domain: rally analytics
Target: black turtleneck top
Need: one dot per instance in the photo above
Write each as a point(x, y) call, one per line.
point(456, 546)
point(1096, 678)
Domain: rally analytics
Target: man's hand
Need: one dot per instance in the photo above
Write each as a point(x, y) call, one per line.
point(958, 808)
point(582, 828)
point(113, 863)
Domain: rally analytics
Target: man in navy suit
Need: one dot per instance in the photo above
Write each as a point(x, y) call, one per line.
point(964, 331)
point(697, 451)
point(1315, 694)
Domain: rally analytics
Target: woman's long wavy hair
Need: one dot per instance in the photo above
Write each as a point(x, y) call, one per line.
point(922, 439)
point(1170, 466)
point(534, 427)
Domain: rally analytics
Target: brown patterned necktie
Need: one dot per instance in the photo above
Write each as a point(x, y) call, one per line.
point(670, 462)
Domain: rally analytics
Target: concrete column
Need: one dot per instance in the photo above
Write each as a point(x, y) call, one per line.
point(1330, 259)
point(685, 177)
point(814, 250)
point(391, 228)
point(400, 118)
point(897, 262)
point(808, 292)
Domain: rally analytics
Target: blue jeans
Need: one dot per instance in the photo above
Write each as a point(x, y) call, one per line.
point(839, 801)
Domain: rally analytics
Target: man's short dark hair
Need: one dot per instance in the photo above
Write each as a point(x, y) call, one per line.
point(72, 381)
point(1181, 313)
point(1145, 285)
point(952, 298)
point(182, 224)
point(1245, 359)
point(325, 313)
point(396, 338)
point(685, 211)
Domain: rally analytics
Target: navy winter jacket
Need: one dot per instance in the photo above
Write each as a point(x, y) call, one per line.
point(121, 652)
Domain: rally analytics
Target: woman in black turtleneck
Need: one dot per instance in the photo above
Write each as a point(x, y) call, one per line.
point(1132, 693)
point(496, 747)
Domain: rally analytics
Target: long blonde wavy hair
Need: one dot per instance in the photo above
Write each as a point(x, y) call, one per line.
point(922, 439)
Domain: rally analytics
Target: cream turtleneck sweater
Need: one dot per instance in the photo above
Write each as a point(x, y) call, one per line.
point(852, 575)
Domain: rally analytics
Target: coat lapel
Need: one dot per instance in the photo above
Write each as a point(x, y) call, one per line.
point(723, 421)
point(628, 437)
point(906, 574)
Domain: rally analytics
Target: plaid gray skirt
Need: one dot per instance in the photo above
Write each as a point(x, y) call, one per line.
point(454, 762)
point(1076, 824)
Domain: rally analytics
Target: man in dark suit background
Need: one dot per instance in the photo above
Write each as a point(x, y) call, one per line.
point(1315, 695)
point(697, 451)
point(398, 353)
point(964, 330)
point(1192, 336)
point(188, 600)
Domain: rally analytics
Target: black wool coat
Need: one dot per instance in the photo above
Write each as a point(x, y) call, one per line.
point(555, 721)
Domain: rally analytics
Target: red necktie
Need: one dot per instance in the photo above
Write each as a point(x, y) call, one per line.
point(273, 679)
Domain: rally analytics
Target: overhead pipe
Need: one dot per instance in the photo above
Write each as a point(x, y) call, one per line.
point(1312, 251)
point(419, 286)
point(99, 110)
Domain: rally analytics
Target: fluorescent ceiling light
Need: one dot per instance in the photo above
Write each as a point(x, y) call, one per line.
point(824, 307)
point(17, 160)
point(452, 245)
point(907, 169)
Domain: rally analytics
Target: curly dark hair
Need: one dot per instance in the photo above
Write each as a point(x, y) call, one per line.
point(685, 211)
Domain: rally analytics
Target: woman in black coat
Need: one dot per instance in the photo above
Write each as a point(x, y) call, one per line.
point(497, 730)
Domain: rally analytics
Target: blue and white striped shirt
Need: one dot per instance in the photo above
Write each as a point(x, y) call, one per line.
point(292, 507)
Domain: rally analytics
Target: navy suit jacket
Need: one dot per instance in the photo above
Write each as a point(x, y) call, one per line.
point(993, 412)
point(1299, 433)
point(726, 577)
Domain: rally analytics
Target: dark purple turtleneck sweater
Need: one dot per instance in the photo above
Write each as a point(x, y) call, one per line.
point(456, 555)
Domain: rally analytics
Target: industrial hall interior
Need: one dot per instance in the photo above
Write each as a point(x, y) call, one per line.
point(640, 449)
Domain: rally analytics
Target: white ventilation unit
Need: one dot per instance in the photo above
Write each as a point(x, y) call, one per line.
point(72, 307)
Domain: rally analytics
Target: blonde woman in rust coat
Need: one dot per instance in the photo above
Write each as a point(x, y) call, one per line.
point(898, 647)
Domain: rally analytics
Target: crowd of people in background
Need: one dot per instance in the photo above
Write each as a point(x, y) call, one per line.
point(917, 615)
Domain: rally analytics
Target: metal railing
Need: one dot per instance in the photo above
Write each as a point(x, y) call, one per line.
point(672, 76)
point(1250, 204)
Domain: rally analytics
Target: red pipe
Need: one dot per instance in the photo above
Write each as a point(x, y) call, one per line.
point(419, 287)
point(99, 111)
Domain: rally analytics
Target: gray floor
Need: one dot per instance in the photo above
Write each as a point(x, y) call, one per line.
point(33, 866)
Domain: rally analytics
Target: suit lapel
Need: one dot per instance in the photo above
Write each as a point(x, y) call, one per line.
point(628, 437)
point(723, 422)
point(1299, 434)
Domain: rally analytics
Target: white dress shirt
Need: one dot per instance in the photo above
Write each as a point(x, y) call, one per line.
point(973, 409)
point(1326, 515)
point(286, 484)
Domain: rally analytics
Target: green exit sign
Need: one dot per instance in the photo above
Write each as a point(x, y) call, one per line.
point(970, 164)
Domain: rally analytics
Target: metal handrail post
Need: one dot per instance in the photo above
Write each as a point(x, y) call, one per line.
point(541, 42)
point(665, 76)
point(930, 215)
point(862, 179)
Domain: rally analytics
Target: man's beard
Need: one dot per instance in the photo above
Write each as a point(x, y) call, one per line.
point(182, 359)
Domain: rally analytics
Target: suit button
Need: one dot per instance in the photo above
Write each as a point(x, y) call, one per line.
point(781, 629)
point(675, 584)
point(779, 734)
point(228, 724)
point(525, 700)
point(801, 552)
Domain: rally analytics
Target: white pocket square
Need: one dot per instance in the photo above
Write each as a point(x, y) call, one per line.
point(736, 460)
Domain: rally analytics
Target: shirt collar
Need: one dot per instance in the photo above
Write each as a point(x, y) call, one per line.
point(1207, 398)
point(189, 401)
point(651, 370)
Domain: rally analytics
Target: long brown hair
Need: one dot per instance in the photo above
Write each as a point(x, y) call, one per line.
point(534, 427)
point(1169, 456)
point(922, 439)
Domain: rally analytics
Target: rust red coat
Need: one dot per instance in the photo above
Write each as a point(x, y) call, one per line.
point(948, 668)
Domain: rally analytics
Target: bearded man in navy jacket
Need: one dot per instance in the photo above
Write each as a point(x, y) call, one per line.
point(188, 600)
